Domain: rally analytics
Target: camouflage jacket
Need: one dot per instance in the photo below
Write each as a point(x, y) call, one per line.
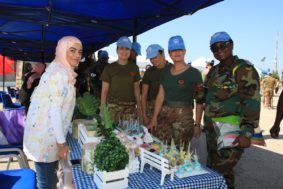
point(269, 83)
point(233, 89)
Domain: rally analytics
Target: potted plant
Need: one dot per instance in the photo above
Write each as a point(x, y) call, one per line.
point(86, 107)
point(110, 156)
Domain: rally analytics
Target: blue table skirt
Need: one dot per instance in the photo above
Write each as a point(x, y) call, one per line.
point(150, 178)
point(12, 125)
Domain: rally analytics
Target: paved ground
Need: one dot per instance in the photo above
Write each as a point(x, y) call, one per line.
point(260, 167)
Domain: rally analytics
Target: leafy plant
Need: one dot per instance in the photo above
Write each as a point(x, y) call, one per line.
point(87, 105)
point(110, 154)
point(105, 125)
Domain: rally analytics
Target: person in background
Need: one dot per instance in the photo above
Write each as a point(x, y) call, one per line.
point(269, 84)
point(96, 72)
point(31, 81)
point(27, 67)
point(120, 84)
point(150, 80)
point(180, 84)
point(208, 66)
point(83, 83)
point(232, 104)
point(135, 51)
point(275, 129)
point(147, 67)
point(98, 55)
point(50, 113)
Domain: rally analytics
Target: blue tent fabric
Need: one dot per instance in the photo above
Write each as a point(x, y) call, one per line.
point(29, 30)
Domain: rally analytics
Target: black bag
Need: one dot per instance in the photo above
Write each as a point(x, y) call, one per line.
point(23, 96)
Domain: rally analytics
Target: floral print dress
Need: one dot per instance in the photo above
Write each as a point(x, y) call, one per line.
point(54, 92)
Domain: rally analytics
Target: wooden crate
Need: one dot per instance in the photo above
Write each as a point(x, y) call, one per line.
point(85, 136)
point(110, 180)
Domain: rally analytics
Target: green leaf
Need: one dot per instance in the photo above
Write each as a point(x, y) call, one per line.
point(87, 104)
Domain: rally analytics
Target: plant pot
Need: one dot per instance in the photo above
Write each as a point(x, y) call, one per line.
point(110, 180)
point(86, 136)
point(75, 126)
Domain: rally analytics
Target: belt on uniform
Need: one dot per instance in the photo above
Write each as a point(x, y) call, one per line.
point(120, 103)
point(231, 119)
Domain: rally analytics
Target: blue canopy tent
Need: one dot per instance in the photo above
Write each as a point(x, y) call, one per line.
point(29, 30)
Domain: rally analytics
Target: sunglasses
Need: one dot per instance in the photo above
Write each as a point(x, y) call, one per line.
point(221, 46)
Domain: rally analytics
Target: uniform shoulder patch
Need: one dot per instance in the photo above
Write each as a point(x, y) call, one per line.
point(248, 62)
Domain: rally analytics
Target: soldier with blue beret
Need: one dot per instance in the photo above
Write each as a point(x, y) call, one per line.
point(232, 107)
point(180, 85)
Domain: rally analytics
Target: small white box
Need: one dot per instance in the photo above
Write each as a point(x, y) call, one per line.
point(110, 180)
point(86, 136)
point(158, 162)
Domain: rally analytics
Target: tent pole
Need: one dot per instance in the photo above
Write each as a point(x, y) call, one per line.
point(3, 72)
point(135, 30)
point(42, 43)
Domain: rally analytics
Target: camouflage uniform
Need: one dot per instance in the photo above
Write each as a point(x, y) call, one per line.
point(122, 110)
point(150, 107)
point(268, 84)
point(95, 74)
point(176, 116)
point(230, 90)
point(151, 78)
point(121, 97)
point(176, 123)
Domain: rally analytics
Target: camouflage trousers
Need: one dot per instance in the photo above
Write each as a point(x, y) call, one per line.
point(176, 123)
point(268, 98)
point(122, 110)
point(224, 160)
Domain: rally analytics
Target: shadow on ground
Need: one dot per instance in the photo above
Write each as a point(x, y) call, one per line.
point(280, 137)
point(259, 169)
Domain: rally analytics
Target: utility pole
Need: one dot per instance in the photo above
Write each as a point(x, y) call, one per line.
point(276, 53)
point(263, 60)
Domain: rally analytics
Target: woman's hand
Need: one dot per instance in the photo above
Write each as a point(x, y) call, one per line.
point(146, 120)
point(152, 125)
point(197, 132)
point(139, 113)
point(63, 151)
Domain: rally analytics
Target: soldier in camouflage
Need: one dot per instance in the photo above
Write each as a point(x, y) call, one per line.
point(179, 85)
point(150, 81)
point(268, 85)
point(231, 98)
point(120, 85)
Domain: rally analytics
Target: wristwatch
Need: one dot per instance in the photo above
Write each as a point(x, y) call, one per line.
point(197, 124)
point(247, 134)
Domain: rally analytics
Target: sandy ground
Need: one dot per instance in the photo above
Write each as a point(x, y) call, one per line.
point(262, 167)
point(259, 168)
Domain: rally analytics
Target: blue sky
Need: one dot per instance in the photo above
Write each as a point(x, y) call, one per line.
point(252, 24)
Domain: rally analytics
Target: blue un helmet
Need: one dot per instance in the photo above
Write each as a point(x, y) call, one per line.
point(103, 54)
point(219, 37)
point(176, 43)
point(152, 51)
point(124, 41)
point(136, 47)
